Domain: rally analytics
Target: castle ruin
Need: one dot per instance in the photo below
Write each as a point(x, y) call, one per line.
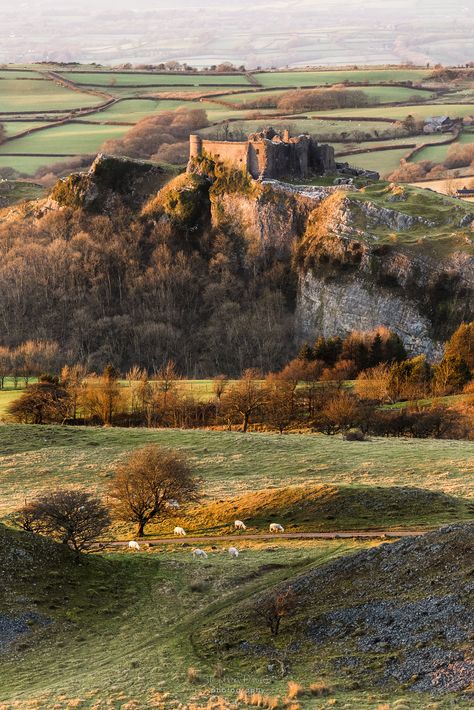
point(269, 155)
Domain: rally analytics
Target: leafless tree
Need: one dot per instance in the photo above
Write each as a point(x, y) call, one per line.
point(74, 518)
point(146, 480)
point(272, 608)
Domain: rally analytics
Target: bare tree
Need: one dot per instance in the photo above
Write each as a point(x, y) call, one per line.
point(245, 398)
point(272, 608)
point(75, 518)
point(219, 385)
point(146, 480)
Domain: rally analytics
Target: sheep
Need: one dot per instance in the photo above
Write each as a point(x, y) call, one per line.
point(239, 525)
point(179, 531)
point(233, 552)
point(276, 528)
point(200, 553)
point(172, 504)
point(132, 545)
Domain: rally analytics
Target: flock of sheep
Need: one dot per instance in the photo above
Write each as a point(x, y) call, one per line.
point(201, 554)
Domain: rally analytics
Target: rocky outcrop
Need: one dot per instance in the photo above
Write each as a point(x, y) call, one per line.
point(273, 217)
point(361, 263)
point(336, 307)
point(109, 180)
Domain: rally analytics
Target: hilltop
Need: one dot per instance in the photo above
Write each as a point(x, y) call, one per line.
point(298, 260)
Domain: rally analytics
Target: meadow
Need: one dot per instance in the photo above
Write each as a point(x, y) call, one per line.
point(106, 79)
point(327, 78)
point(38, 458)
point(147, 618)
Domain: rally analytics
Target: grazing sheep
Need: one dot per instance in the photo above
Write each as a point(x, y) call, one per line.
point(233, 552)
point(276, 528)
point(172, 504)
point(179, 531)
point(132, 545)
point(239, 525)
point(200, 553)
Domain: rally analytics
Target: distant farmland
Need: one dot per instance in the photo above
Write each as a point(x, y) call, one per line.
point(76, 111)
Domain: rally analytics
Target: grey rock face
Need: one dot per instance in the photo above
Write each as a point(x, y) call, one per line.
point(330, 307)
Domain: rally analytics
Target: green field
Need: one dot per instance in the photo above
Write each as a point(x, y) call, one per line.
point(155, 79)
point(41, 96)
point(20, 91)
point(376, 94)
point(72, 138)
point(14, 127)
point(383, 162)
point(324, 78)
point(398, 113)
point(37, 458)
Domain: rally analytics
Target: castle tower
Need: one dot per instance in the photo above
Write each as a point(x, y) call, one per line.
point(195, 146)
point(286, 136)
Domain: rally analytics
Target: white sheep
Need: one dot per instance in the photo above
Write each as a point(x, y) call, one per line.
point(179, 531)
point(239, 525)
point(276, 528)
point(200, 553)
point(172, 504)
point(132, 545)
point(233, 552)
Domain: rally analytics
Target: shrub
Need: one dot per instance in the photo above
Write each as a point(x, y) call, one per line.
point(295, 690)
point(319, 689)
point(354, 435)
point(193, 675)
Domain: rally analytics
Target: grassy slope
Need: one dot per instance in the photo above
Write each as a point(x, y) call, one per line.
point(438, 209)
point(124, 624)
point(320, 508)
point(37, 458)
point(350, 648)
point(10, 193)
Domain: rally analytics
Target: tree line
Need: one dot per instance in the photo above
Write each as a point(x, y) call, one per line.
point(315, 391)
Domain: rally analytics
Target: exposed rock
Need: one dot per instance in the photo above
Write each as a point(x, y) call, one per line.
point(109, 180)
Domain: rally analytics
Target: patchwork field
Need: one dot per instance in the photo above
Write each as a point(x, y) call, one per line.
point(327, 78)
point(140, 94)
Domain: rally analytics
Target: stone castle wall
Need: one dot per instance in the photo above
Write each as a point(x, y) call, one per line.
point(270, 155)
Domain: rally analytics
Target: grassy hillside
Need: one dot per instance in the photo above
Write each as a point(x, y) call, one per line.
point(321, 508)
point(385, 618)
point(121, 630)
point(36, 458)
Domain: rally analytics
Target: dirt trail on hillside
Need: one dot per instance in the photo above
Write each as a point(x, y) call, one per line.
point(343, 534)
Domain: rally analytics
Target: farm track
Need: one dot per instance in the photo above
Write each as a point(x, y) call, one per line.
point(343, 535)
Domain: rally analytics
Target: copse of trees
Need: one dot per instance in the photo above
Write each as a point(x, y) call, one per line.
point(163, 137)
point(310, 391)
point(322, 99)
point(309, 100)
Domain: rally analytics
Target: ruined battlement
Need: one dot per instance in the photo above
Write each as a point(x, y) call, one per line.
point(270, 155)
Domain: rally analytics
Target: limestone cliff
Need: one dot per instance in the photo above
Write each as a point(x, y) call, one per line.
point(385, 255)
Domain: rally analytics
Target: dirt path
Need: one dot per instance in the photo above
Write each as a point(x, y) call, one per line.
point(343, 534)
